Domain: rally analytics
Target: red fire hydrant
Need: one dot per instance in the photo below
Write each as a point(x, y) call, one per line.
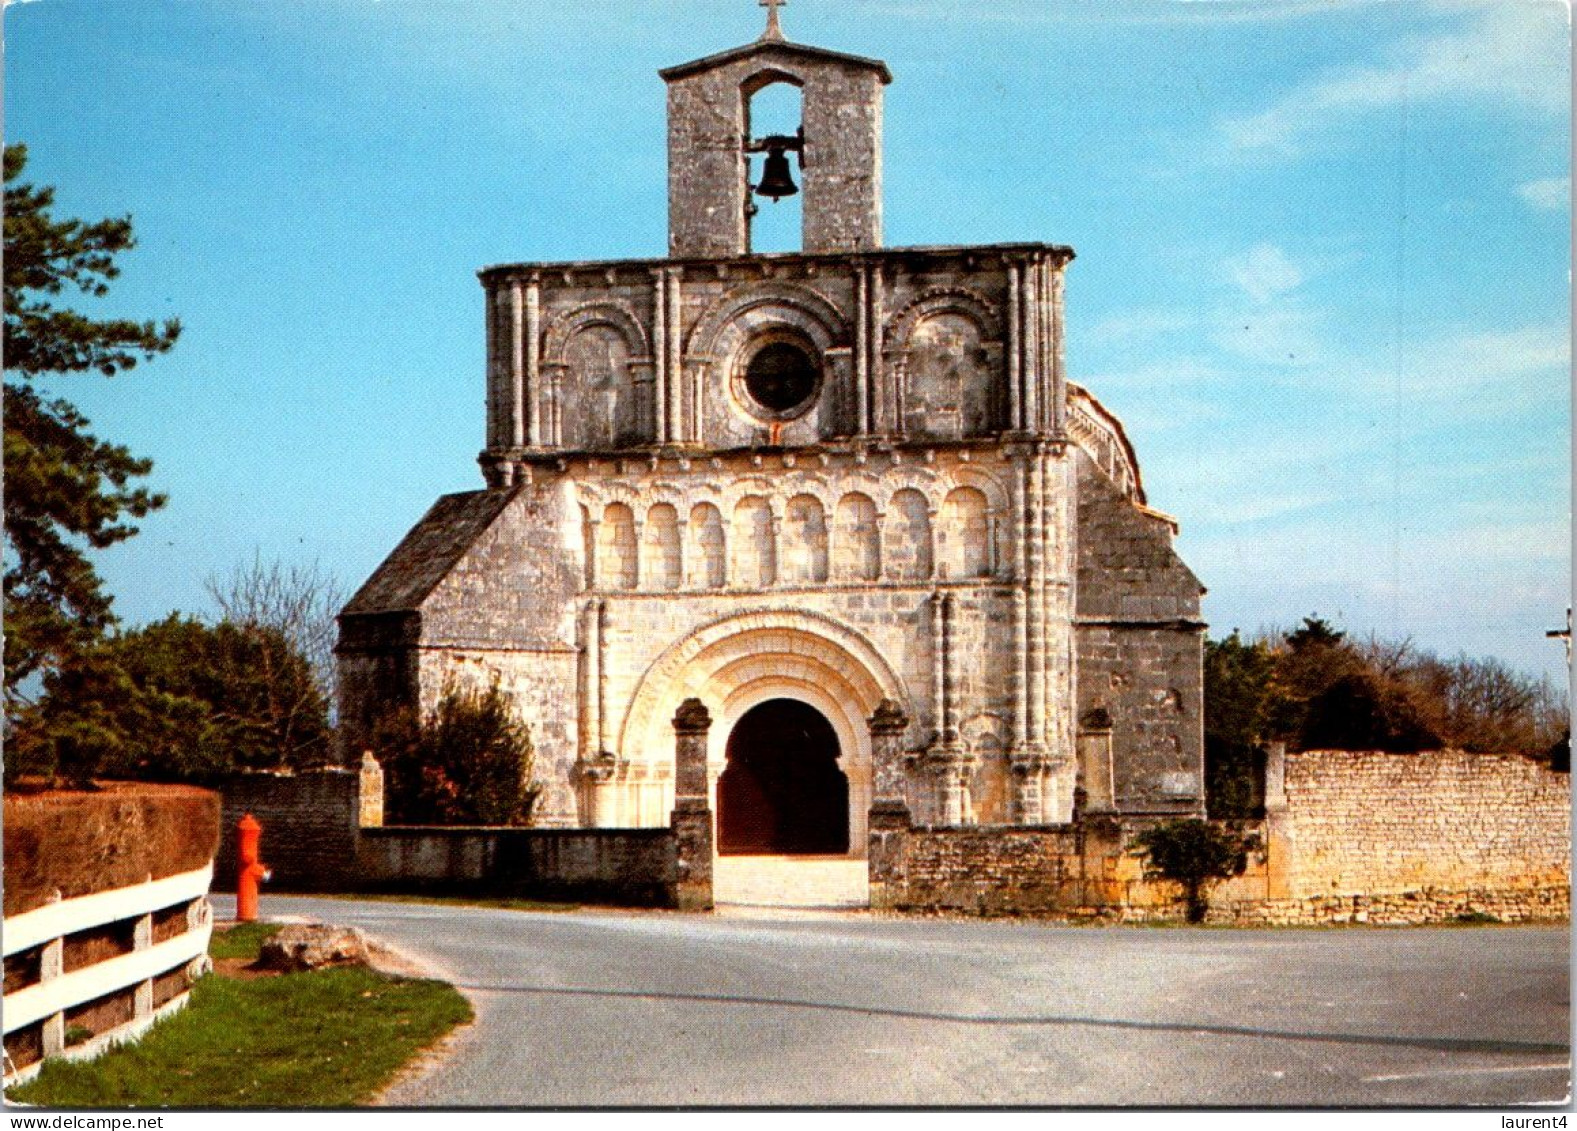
point(253, 871)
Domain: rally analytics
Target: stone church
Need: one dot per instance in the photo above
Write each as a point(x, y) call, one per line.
point(799, 487)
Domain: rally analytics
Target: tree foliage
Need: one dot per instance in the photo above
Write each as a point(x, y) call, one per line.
point(178, 700)
point(469, 761)
point(1314, 688)
point(1195, 855)
point(67, 491)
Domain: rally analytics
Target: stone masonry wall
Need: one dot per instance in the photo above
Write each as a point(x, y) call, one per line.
point(1139, 641)
point(1372, 823)
point(309, 828)
point(312, 841)
point(1356, 837)
point(631, 867)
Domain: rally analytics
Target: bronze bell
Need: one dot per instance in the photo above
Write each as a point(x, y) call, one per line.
point(776, 180)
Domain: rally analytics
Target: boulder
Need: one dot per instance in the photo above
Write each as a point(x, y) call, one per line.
point(310, 946)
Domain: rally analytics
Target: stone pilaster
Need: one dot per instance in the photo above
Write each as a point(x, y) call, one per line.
point(887, 779)
point(1279, 843)
point(889, 820)
point(533, 363)
point(691, 821)
point(370, 793)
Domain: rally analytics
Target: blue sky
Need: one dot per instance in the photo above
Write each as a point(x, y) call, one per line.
point(1322, 269)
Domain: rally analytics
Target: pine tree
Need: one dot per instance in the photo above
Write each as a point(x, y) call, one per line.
point(66, 491)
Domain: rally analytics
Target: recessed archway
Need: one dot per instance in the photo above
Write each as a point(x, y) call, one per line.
point(781, 791)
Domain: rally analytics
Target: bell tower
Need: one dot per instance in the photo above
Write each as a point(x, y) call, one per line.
point(837, 149)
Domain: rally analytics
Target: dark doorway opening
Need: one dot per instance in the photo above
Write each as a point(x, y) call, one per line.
point(782, 791)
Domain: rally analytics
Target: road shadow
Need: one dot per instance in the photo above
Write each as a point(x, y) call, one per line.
point(1438, 1044)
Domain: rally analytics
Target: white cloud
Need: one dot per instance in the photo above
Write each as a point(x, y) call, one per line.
point(1264, 272)
point(1512, 52)
point(1551, 194)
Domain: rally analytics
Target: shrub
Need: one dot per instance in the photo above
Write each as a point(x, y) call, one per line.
point(469, 762)
point(1194, 855)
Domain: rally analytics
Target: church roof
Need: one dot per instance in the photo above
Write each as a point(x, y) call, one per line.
point(773, 46)
point(426, 555)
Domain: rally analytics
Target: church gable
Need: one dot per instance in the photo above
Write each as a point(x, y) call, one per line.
point(1127, 568)
point(425, 556)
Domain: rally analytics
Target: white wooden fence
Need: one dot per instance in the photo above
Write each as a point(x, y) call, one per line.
point(58, 990)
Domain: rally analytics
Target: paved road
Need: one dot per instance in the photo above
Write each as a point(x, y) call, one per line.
point(801, 1008)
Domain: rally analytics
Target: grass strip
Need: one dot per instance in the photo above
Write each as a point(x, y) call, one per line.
point(242, 940)
point(327, 1038)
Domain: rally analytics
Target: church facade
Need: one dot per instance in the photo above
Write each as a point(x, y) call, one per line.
point(795, 487)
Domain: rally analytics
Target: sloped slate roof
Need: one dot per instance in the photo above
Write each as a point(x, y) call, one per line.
point(428, 552)
point(767, 46)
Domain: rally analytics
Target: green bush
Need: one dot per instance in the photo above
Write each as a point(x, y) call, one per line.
point(1195, 855)
point(469, 762)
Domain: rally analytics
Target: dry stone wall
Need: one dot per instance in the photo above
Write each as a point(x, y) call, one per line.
point(1371, 823)
point(1353, 837)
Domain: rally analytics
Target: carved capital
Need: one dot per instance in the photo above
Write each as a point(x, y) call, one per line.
point(692, 718)
point(605, 767)
point(888, 719)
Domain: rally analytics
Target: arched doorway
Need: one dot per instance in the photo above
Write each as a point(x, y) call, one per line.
point(781, 792)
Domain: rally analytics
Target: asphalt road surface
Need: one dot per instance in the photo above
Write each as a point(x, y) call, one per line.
point(616, 1008)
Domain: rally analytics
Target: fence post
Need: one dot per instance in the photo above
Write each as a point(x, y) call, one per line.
point(142, 939)
point(51, 965)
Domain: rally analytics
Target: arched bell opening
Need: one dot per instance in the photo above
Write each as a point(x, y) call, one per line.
point(775, 216)
point(781, 791)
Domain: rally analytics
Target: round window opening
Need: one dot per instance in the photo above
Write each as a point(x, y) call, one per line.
point(781, 377)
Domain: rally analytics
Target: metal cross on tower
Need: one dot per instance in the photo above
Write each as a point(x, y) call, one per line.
point(774, 30)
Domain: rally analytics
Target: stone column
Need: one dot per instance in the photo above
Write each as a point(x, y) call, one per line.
point(888, 823)
point(517, 365)
point(949, 671)
point(691, 821)
point(533, 352)
point(862, 348)
point(1029, 309)
point(887, 771)
point(1029, 767)
point(660, 375)
point(596, 778)
point(674, 367)
point(1015, 353)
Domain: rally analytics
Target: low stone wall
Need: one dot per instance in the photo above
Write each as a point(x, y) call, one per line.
point(1349, 837)
point(310, 823)
point(1546, 904)
point(1085, 870)
point(1365, 823)
point(321, 833)
point(631, 867)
